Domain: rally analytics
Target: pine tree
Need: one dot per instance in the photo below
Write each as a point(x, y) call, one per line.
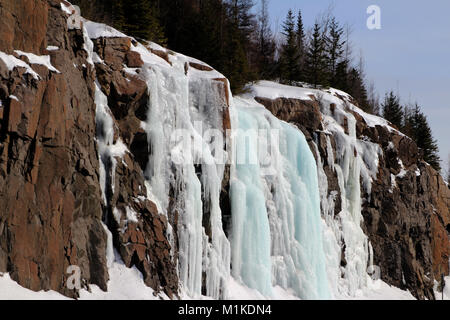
point(237, 43)
point(118, 14)
point(334, 49)
point(289, 55)
point(341, 81)
point(392, 111)
point(142, 20)
point(300, 35)
point(316, 59)
point(242, 17)
point(422, 135)
point(357, 89)
point(236, 64)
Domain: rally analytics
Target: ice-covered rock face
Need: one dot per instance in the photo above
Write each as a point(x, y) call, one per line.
point(283, 192)
point(335, 235)
point(369, 180)
point(176, 131)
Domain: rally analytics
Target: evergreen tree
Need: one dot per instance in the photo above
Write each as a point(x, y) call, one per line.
point(422, 135)
point(236, 63)
point(240, 27)
point(243, 18)
point(142, 20)
point(301, 39)
point(334, 48)
point(289, 55)
point(341, 78)
point(316, 64)
point(357, 89)
point(392, 111)
point(408, 121)
point(118, 14)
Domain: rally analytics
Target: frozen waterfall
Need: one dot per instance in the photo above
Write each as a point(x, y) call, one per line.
point(276, 227)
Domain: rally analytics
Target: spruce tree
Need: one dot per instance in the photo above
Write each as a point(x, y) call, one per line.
point(118, 14)
point(289, 55)
point(392, 111)
point(341, 78)
point(237, 44)
point(357, 89)
point(334, 49)
point(316, 59)
point(142, 20)
point(300, 34)
point(422, 135)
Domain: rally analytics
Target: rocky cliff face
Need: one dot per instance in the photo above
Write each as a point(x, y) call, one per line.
point(85, 112)
point(50, 199)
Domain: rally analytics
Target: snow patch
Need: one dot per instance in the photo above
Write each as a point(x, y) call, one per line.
point(52, 48)
point(12, 62)
point(99, 30)
point(274, 90)
point(35, 59)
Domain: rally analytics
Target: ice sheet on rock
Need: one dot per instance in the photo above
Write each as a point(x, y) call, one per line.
point(356, 165)
point(276, 227)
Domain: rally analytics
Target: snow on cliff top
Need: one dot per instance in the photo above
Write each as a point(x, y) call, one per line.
point(273, 90)
point(149, 52)
point(100, 30)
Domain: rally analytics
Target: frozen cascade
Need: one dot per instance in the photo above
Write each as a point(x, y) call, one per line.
point(276, 227)
point(109, 151)
point(345, 230)
point(182, 164)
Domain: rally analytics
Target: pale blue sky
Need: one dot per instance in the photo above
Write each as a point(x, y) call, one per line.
point(410, 53)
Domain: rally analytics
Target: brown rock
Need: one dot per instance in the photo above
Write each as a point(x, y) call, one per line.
point(134, 60)
point(50, 212)
point(200, 67)
point(304, 113)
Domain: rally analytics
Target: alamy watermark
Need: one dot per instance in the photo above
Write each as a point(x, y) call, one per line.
point(212, 147)
point(74, 280)
point(374, 19)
